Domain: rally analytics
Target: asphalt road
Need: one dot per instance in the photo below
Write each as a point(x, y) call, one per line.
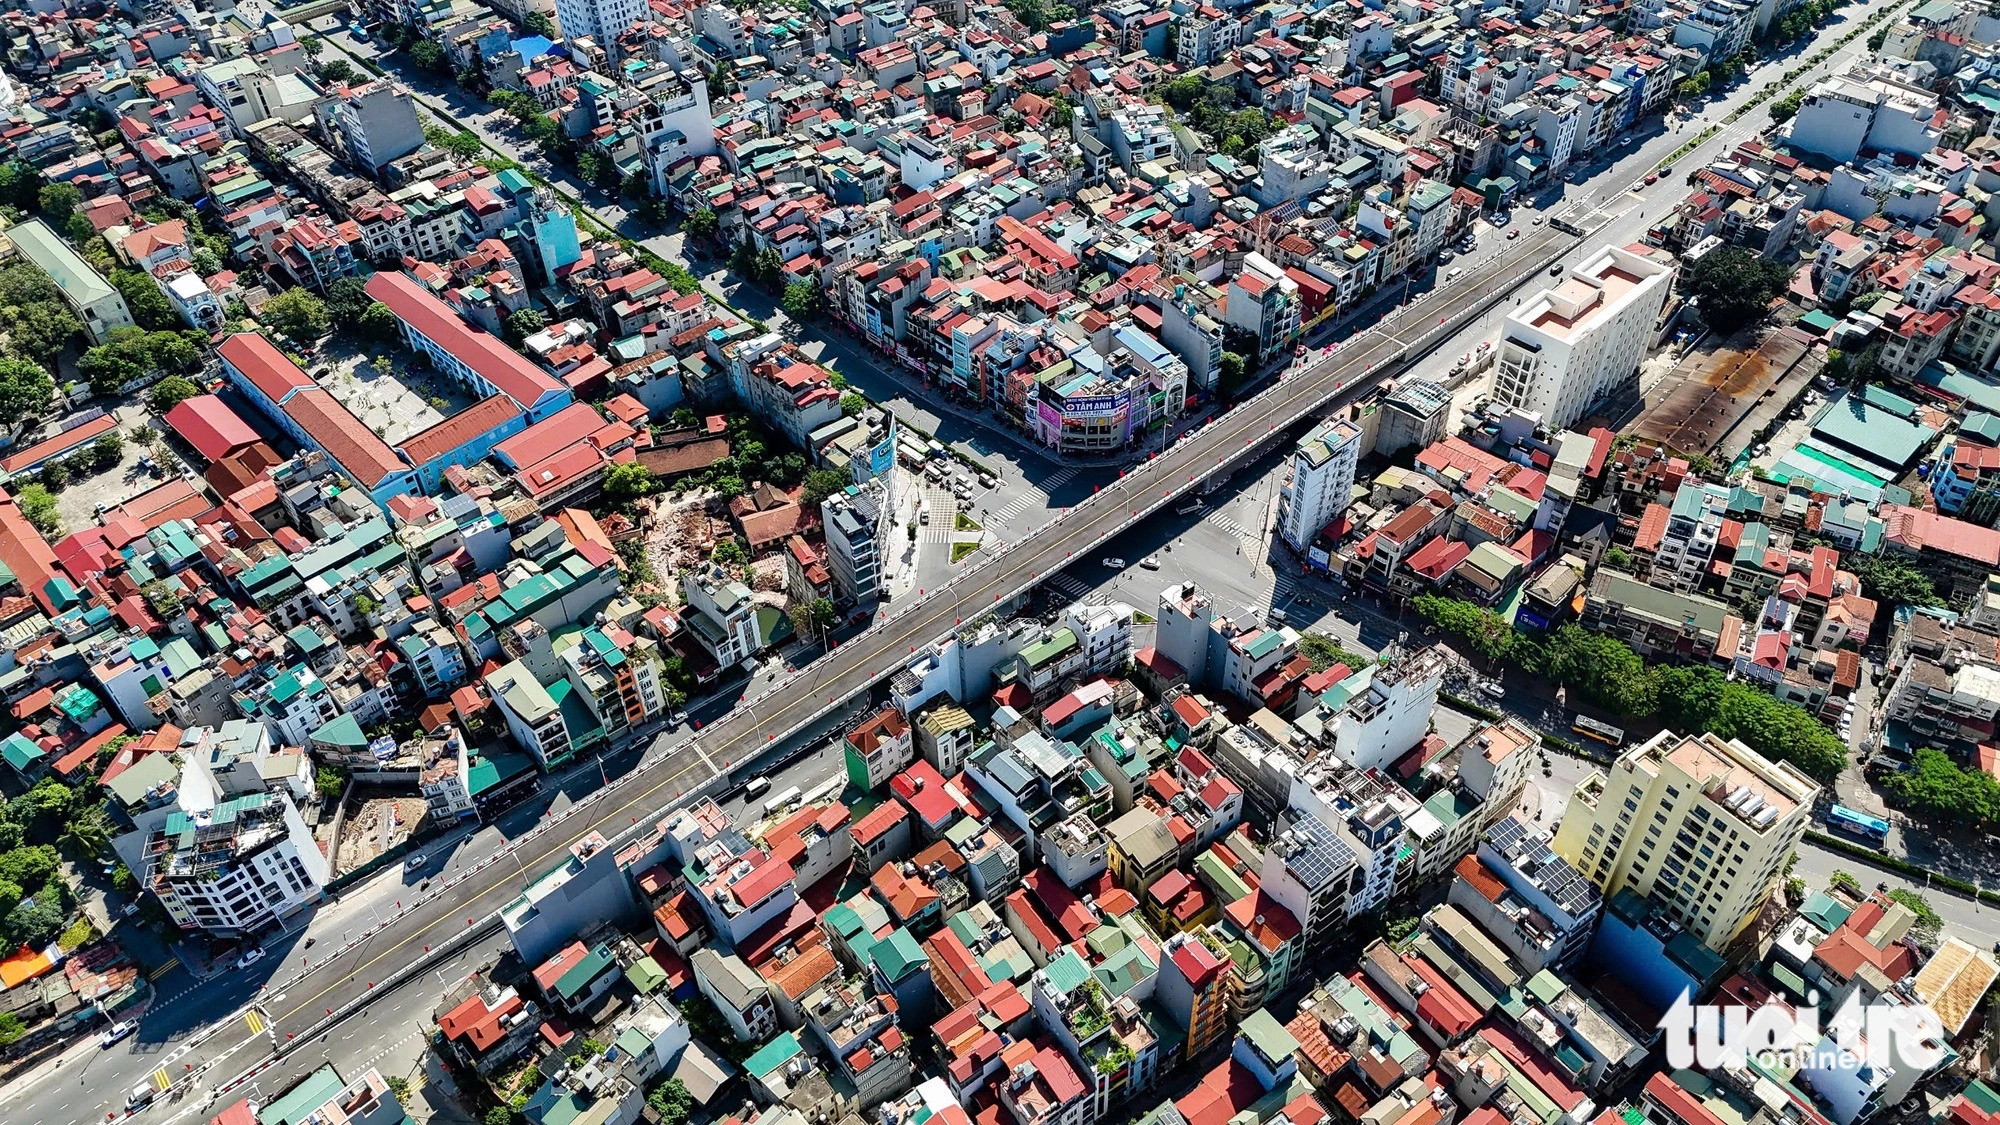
point(355, 973)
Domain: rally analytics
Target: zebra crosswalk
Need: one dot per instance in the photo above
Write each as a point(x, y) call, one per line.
point(1068, 587)
point(1015, 507)
point(1231, 526)
point(943, 508)
point(1057, 479)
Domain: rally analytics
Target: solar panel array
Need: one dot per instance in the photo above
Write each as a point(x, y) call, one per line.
point(1532, 856)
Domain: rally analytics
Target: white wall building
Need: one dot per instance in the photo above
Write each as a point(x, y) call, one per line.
point(1567, 347)
point(1322, 482)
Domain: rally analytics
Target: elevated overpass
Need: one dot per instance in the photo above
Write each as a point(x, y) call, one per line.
point(466, 905)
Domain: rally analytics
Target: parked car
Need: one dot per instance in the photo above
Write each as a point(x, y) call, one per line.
point(250, 957)
point(1114, 562)
point(1492, 689)
point(116, 1032)
point(1513, 233)
point(416, 860)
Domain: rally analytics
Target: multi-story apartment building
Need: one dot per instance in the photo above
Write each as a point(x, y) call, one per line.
point(1699, 824)
point(372, 124)
point(856, 522)
point(722, 615)
point(232, 867)
point(1567, 347)
point(1947, 687)
point(1264, 302)
point(1322, 482)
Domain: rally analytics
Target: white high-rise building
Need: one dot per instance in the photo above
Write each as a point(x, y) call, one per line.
point(600, 20)
point(1567, 347)
point(1322, 482)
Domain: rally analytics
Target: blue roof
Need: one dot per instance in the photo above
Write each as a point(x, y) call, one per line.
point(533, 47)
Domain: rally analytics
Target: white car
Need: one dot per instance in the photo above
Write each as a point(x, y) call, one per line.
point(1150, 562)
point(249, 958)
point(1493, 689)
point(116, 1032)
point(1114, 562)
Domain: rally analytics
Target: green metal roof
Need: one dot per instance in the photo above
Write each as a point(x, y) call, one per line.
point(898, 955)
point(779, 1051)
point(298, 1103)
point(579, 976)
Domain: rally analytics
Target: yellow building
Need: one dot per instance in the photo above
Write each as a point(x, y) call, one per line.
point(1699, 824)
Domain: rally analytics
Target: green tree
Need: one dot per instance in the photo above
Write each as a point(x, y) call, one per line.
point(33, 924)
point(207, 262)
point(297, 314)
point(1618, 558)
point(671, 1100)
point(11, 1029)
point(106, 450)
point(520, 325)
point(1936, 788)
point(150, 308)
point(19, 185)
point(1323, 652)
point(337, 72)
point(1485, 634)
point(1694, 698)
point(42, 329)
point(346, 300)
point(87, 834)
point(465, 146)
point(162, 598)
point(822, 483)
point(378, 324)
point(330, 782)
point(25, 391)
point(1787, 107)
point(1232, 372)
point(629, 481)
point(109, 367)
point(1891, 581)
point(1603, 669)
point(25, 283)
point(39, 506)
point(1928, 925)
point(57, 202)
point(589, 167)
point(1734, 287)
point(701, 223)
point(172, 351)
point(538, 23)
point(802, 300)
point(171, 392)
point(852, 404)
point(79, 229)
point(729, 552)
point(429, 56)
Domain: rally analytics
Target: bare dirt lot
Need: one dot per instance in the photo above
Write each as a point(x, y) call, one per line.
point(375, 826)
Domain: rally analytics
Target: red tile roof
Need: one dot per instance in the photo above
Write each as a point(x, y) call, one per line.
point(506, 369)
point(264, 365)
point(477, 420)
point(364, 455)
point(207, 423)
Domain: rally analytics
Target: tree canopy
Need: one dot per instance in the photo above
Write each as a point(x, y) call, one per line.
point(297, 314)
point(1734, 287)
point(1935, 787)
point(25, 390)
point(171, 392)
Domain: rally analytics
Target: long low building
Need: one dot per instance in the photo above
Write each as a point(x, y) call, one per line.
point(313, 417)
point(464, 353)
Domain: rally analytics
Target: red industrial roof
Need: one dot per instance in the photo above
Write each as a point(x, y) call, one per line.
point(550, 436)
point(477, 420)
